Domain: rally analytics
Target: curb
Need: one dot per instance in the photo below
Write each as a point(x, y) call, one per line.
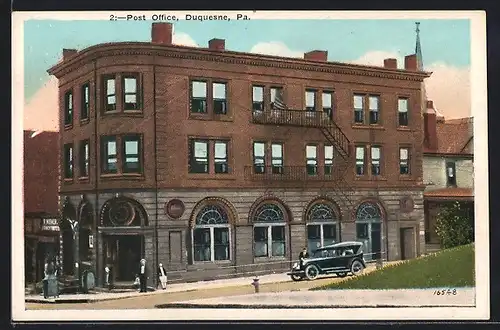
point(285, 306)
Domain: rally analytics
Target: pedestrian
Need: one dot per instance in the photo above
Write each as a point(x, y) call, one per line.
point(142, 275)
point(46, 270)
point(303, 255)
point(162, 276)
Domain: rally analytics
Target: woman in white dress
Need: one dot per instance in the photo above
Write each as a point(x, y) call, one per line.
point(162, 275)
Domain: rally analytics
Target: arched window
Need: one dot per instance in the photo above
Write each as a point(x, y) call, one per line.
point(211, 234)
point(269, 231)
point(368, 229)
point(321, 226)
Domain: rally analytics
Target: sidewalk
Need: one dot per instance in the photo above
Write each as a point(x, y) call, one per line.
point(177, 287)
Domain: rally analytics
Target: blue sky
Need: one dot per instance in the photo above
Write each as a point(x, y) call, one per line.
point(445, 41)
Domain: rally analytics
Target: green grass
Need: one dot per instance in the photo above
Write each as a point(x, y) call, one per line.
point(445, 269)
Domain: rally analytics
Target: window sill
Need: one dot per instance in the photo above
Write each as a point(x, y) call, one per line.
point(226, 117)
point(199, 116)
point(215, 262)
point(68, 127)
point(119, 176)
point(264, 259)
point(211, 176)
point(370, 126)
point(68, 180)
point(403, 129)
point(84, 121)
point(83, 179)
point(124, 113)
point(405, 177)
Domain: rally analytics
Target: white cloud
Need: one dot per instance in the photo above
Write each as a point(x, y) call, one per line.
point(41, 112)
point(275, 48)
point(183, 39)
point(448, 86)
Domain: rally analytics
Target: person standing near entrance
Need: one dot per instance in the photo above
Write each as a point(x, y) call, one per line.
point(162, 276)
point(303, 255)
point(142, 275)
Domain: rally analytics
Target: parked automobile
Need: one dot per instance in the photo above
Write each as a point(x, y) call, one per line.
point(340, 259)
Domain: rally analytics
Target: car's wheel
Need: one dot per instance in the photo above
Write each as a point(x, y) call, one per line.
point(343, 274)
point(357, 268)
point(312, 272)
point(296, 278)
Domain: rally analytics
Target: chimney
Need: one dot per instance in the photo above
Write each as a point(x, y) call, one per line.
point(411, 62)
point(67, 53)
point(161, 33)
point(430, 127)
point(316, 55)
point(391, 63)
point(217, 44)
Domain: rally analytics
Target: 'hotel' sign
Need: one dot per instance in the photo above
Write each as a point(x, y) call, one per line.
point(50, 224)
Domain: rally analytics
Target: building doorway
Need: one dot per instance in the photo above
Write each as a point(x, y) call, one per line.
point(68, 252)
point(369, 230)
point(408, 244)
point(123, 254)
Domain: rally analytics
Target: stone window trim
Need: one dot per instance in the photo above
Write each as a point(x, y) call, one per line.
point(212, 169)
point(369, 116)
point(119, 94)
point(208, 101)
point(119, 140)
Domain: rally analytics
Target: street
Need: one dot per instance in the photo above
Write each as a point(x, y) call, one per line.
point(149, 301)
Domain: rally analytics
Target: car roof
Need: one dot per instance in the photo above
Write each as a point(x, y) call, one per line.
point(341, 244)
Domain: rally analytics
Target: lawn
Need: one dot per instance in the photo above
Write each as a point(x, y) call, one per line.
point(449, 268)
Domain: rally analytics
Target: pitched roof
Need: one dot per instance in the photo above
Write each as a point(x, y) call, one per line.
point(454, 193)
point(41, 172)
point(454, 136)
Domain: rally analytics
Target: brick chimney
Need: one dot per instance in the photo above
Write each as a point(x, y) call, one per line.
point(161, 33)
point(316, 55)
point(430, 127)
point(217, 44)
point(391, 63)
point(411, 62)
point(67, 53)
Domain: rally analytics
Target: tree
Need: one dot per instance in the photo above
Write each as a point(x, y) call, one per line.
point(455, 225)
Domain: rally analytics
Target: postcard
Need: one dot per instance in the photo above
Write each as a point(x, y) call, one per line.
point(250, 165)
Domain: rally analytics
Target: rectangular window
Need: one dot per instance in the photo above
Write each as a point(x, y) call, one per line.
point(278, 241)
point(277, 102)
point(451, 178)
point(328, 160)
point(130, 93)
point(84, 158)
point(311, 160)
point(259, 157)
point(68, 161)
point(109, 154)
point(198, 156)
point(375, 155)
point(110, 94)
point(359, 109)
point(277, 158)
point(329, 234)
point(374, 104)
point(257, 98)
point(68, 108)
point(362, 231)
point(310, 100)
point(132, 154)
point(403, 112)
point(327, 100)
point(360, 160)
point(221, 244)
point(221, 162)
point(260, 245)
point(404, 161)
point(198, 97)
point(219, 98)
point(85, 109)
point(321, 235)
point(202, 244)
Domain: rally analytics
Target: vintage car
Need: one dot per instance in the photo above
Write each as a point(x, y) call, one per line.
point(340, 259)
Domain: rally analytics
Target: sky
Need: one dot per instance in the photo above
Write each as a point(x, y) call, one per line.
point(445, 47)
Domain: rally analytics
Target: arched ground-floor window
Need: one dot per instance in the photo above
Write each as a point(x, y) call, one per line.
point(211, 234)
point(322, 226)
point(269, 232)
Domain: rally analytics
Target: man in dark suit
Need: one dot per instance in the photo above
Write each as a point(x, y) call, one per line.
point(303, 255)
point(142, 275)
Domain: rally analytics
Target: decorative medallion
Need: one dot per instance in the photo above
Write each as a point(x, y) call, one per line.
point(175, 208)
point(121, 213)
point(406, 204)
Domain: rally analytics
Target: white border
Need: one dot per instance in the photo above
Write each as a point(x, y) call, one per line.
point(479, 111)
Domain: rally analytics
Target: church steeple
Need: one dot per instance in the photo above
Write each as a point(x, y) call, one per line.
point(418, 49)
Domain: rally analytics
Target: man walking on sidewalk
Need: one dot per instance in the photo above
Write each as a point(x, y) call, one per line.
point(142, 275)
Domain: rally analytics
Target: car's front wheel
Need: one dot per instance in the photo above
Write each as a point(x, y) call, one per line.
point(312, 272)
point(357, 268)
point(296, 278)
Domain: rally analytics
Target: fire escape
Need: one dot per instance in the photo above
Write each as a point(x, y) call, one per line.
point(330, 179)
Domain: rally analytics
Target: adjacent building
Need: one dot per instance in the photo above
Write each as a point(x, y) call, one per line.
point(41, 206)
point(448, 167)
point(220, 163)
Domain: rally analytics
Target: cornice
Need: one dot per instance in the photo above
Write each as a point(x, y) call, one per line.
point(200, 54)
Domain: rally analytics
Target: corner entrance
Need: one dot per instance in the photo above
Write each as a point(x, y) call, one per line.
point(123, 254)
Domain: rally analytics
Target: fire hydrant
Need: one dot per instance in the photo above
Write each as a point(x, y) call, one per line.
point(255, 284)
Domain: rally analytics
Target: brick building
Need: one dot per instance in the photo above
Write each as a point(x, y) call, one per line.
point(41, 209)
point(218, 163)
point(448, 167)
